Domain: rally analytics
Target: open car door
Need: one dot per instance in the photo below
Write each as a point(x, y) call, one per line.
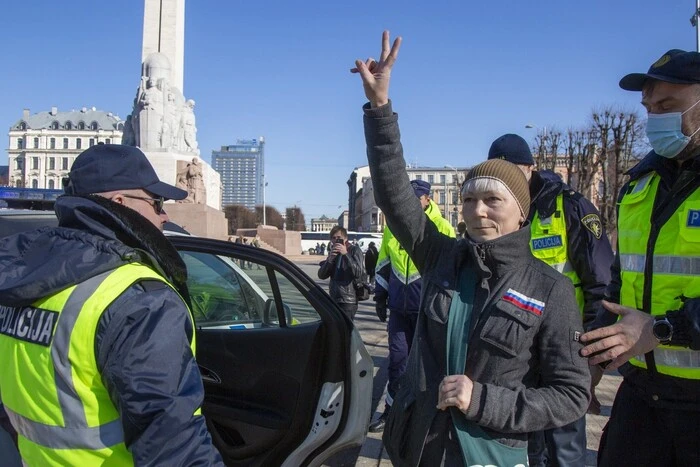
point(287, 378)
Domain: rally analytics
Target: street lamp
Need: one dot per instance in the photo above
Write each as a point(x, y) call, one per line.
point(694, 23)
point(544, 129)
point(264, 184)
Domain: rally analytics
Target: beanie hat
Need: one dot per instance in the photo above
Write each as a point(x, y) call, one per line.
point(420, 188)
point(512, 148)
point(510, 175)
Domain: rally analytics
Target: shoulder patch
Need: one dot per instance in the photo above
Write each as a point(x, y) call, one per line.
point(592, 222)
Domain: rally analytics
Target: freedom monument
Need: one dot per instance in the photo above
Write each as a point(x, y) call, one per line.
point(162, 122)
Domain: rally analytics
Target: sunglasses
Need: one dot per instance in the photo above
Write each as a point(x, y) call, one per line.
point(157, 202)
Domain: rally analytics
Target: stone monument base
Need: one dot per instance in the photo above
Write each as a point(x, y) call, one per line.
point(199, 219)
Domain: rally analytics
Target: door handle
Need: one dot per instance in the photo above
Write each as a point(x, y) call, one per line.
point(209, 376)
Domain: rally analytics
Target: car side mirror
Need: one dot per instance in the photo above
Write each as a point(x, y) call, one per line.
point(270, 316)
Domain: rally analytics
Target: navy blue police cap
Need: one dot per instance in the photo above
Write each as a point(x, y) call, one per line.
point(420, 188)
point(113, 167)
point(675, 66)
point(511, 148)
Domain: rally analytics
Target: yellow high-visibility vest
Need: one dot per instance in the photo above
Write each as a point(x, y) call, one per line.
point(548, 242)
point(669, 268)
point(51, 387)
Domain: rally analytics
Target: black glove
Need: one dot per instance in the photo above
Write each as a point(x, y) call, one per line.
point(380, 308)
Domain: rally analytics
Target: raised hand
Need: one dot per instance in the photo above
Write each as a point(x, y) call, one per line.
point(375, 75)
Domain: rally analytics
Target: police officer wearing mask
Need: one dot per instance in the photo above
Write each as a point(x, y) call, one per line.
point(567, 234)
point(655, 288)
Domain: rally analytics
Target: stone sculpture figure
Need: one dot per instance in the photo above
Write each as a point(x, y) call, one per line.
point(191, 180)
point(188, 128)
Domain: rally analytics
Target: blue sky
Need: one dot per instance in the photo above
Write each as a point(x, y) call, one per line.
point(468, 72)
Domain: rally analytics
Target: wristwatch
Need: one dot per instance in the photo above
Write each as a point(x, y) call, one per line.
point(662, 330)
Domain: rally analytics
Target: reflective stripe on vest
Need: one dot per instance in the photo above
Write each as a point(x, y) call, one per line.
point(85, 427)
point(677, 265)
point(673, 268)
point(549, 243)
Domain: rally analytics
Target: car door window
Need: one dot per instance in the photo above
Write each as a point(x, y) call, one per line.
point(234, 294)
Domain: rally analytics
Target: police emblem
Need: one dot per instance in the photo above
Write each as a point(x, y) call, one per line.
point(592, 222)
point(661, 62)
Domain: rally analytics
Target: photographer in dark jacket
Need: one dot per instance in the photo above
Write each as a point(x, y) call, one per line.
point(100, 300)
point(345, 268)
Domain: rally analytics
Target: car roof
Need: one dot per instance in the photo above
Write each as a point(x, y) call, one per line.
point(13, 221)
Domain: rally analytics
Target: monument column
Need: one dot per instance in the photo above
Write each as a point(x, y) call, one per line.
point(164, 32)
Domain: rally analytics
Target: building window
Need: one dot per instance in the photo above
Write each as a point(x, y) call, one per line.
point(455, 197)
point(19, 164)
point(79, 143)
point(52, 163)
point(35, 163)
point(36, 143)
point(92, 142)
point(442, 179)
point(120, 126)
point(93, 126)
point(22, 126)
point(64, 164)
point(431, 179)
point(55, 126)
point(20, 143)
point(419, 177)
point(442, 197)
point(65, 143)
point(18, 184)
point(81, 125)
point(52, 143)
point(35, 184)
point(51, 185)
point(108, 141)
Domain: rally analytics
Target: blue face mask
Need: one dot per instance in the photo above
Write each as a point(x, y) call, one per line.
point(665, 133)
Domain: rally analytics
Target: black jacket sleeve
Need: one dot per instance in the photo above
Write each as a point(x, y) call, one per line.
point(326, 267)
point(144, 356)
point(590, 252)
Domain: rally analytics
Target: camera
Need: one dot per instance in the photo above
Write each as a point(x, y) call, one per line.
point(338, 240)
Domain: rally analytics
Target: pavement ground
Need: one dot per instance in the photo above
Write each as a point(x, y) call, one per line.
point(374, 335)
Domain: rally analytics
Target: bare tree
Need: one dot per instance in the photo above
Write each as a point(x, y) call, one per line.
point(295, 219)
point(581, 160)
point(546, 148)
point(272, 216)
point(239, 217)
point(618, 134)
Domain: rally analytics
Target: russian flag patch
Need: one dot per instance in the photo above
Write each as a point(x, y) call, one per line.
point(524, 302)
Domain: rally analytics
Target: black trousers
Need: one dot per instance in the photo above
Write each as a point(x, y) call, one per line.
point(639, 435)
point(349, 309)
point(559, 447)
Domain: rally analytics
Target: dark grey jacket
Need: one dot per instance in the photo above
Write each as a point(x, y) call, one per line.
point(341, 287)
point(526, 368)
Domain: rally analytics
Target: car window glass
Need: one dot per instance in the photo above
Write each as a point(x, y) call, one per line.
point(233, 294)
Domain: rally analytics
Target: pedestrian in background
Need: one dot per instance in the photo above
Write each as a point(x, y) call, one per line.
point(345, 268)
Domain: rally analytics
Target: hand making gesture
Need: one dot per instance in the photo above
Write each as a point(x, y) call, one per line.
point(375, 75)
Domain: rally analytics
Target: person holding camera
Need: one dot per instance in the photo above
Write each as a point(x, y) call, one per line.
point(345, 267)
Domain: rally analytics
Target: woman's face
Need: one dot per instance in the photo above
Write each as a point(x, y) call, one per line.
point(490, 214)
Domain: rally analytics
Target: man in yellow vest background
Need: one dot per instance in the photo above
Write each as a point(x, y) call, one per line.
point(96, 338)
point(398, 287)
point(655, 286)
point(567, 234)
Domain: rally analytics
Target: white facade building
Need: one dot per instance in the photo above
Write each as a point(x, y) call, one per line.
point(43, 146)
point(445, 183)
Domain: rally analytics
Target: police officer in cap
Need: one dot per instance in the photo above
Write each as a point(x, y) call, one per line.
point(653, 313)
point(567, 234)
point(96, 337)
